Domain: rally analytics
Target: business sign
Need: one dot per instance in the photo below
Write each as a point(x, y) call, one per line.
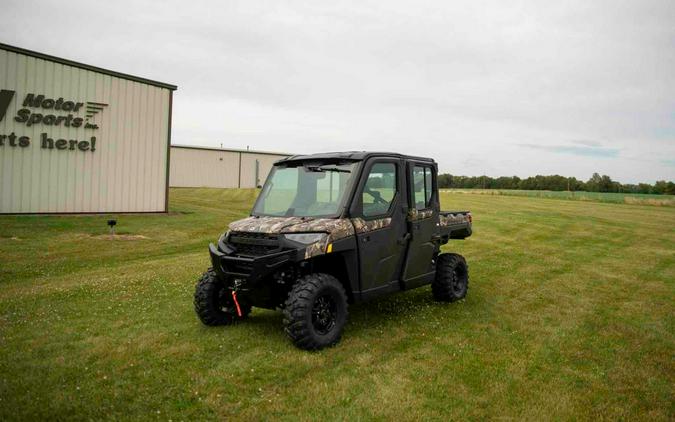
point(39, 110)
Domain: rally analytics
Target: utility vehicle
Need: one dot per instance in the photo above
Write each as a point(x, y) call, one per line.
point(329, 230)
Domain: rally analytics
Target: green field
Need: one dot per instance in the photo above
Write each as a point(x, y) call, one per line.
point(570, 315)
point(609, 197)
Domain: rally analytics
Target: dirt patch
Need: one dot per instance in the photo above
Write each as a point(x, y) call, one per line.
point(120, 237)
point(649, 201)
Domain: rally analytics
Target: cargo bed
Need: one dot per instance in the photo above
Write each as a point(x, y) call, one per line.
point(455, 224)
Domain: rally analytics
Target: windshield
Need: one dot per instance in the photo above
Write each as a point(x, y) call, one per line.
point(309, 190)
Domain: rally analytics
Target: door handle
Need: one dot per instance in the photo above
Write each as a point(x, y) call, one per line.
point(366, 239)
point(404, 239)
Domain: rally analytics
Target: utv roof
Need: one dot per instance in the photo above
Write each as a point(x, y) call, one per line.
point(349, 155)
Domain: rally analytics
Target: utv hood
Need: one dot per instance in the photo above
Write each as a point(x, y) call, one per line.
point(337, 228)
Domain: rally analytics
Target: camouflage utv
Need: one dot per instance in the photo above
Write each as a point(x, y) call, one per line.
point(328, 230)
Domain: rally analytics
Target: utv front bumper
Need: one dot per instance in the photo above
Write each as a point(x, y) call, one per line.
point(249, 270)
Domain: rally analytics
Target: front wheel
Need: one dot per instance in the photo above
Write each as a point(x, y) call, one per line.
point(452, 278)
point(213, 301)
point(315, 312)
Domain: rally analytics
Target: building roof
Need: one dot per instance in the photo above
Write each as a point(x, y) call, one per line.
point(55, 59)
point(285, 154)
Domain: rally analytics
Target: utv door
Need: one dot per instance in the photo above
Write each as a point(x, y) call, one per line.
point(422, 223)
point(378, 213)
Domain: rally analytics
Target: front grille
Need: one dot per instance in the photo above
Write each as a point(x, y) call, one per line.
point(254, 244)
point(240, 268)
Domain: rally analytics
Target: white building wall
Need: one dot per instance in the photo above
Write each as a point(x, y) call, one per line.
point(203, 168)
point(127, 171)
point(265, 163)
point(218, 168)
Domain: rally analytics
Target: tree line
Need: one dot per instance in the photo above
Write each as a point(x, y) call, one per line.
point(596, 183)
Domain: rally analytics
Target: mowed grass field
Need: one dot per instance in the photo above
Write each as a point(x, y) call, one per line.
point(570, 315)
point(609, 197)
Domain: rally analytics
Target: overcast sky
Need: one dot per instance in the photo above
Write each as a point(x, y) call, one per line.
point(496, 88)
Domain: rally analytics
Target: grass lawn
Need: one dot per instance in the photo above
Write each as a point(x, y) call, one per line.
point(610, 197)
point(570, 315)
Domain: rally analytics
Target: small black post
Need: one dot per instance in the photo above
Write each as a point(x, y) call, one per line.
point(112, 224)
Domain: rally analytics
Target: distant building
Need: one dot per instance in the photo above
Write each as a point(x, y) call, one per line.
point(220, 168)
point(75, 138)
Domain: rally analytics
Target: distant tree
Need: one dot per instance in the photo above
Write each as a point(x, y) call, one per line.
point(557, 182)
point(670, 188)
point(629, 188)
point(444, 181)
point(574, 185)
point(596, 183)
point(660, 187)
point(606, 184)
point(376, 182)
point(593, 184)
point(644, 188)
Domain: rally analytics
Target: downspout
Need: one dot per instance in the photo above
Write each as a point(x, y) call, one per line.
point(239, 181)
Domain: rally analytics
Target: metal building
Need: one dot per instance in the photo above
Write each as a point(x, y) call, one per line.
point(220, 168)
point(80, 139)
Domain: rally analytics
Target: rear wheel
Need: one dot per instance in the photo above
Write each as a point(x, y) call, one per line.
point(214, 303)
point(452, 278)
point(315, 312)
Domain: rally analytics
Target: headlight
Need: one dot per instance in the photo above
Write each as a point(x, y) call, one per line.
point(306, 238)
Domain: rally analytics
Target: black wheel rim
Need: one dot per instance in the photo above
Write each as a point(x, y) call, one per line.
point(224, 300)
point(324, 314)
point(458, 281)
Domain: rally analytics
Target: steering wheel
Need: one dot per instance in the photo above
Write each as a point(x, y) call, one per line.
point(376, 196)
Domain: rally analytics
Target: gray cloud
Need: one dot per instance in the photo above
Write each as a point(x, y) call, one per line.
point(584, 150)
point(587, 143)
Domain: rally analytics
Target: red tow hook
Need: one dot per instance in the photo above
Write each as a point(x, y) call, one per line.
point(236, 303)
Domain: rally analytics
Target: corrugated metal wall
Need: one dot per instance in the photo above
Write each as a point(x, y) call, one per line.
point(126, 172)
point(265, 163)
point(215, 168)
